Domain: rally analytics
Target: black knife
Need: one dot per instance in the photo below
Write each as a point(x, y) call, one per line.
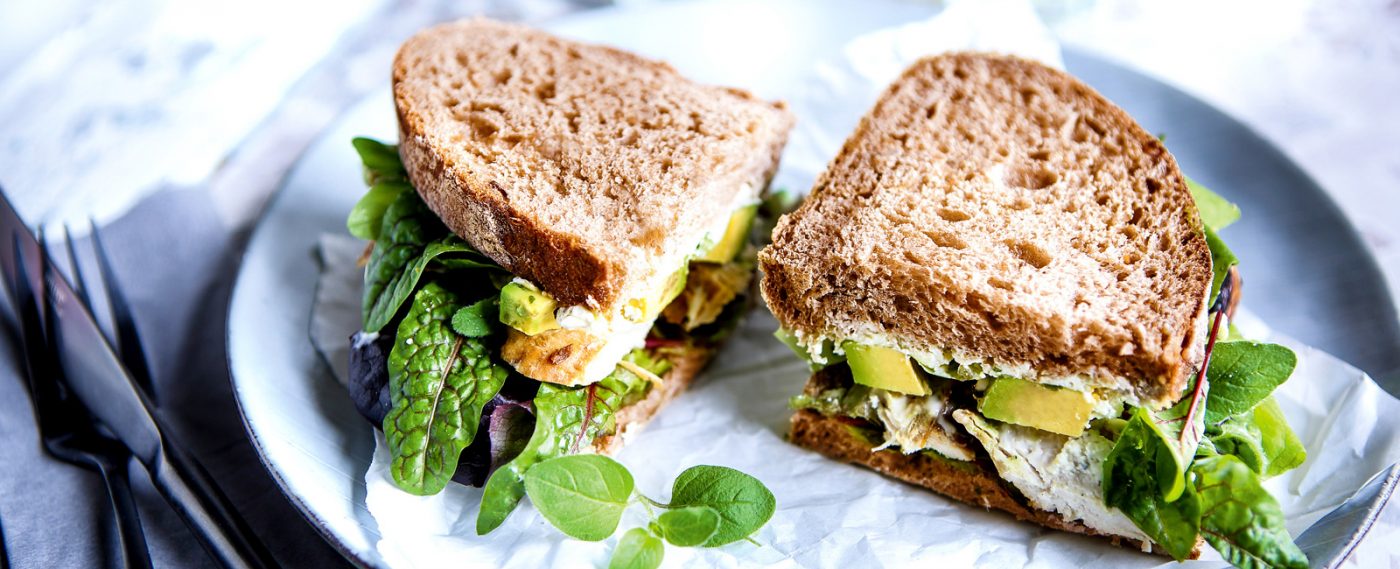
point(96, 376)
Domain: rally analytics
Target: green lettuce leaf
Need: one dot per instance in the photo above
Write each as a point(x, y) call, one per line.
point(1221, 259)
point(367, 217)
point(438, 383)
point(406, 228)
point(853, 401)
point(1261, 439)
point(1242, 374)
point(567, 421)
point(1130, 483)
point(1240, 519)
point(382, 163)
point(393, 274)
point(1216, 211)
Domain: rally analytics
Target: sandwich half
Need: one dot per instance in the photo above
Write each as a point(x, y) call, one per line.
point(1010, 294)
point(559, 242)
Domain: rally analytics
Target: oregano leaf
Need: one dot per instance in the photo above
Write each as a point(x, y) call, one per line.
point(690, 526)
point(583, 495)
point(638, 549)
point(743, 503)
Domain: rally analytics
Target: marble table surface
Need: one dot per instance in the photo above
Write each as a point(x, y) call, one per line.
point(130, 112)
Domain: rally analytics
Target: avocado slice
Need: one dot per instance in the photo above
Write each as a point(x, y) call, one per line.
point(1044, 407)
point(527, 309)
point(883, 368)
point(736, 235)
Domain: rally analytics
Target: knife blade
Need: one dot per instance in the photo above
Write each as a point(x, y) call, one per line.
point(95, 375)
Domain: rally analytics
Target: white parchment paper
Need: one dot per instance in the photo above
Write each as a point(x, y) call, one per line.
point(830, 514)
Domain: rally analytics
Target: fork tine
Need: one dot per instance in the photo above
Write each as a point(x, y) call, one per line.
point(79, 283)
point(128, 342)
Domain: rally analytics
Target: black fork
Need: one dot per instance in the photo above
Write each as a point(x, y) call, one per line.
point(69, 433)
point(127, 341)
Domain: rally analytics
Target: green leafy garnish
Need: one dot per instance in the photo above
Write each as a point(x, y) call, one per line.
point(406, 228)
point(689, 526)
point(853, 401)
point(382, 162)
point(583, 495)
point(1261, 439)
point(743, 503)
point(1216, 211)
point(476, 320)
point(567, 420)
point(638, 549)
point(438, 383)
point(367, 217)
point(1221, 259)
point(1130, 483)
point(391, 276)
point(1244, 373)
point(1240, 519)
point(1282, 449)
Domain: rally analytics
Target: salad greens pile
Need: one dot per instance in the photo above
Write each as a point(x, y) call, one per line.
point(450, 408)
point(1196, 469)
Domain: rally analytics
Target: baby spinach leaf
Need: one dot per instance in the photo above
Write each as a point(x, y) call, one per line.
point(567, 420)
point(1282, 449)
point(390, 289)
point(438, 383)
point(1221, 259)
point(638, 549)
point(1178, 430)
point(583, 495)
point(743, 503)
point(1239, 437)
point(382, 162)
point(367, 217)
point(476, 320)
point(690, 526)
point(406, 229)
point(1216, 211)
point(1130, 483)
point(1244, 373)
point(1240, 519)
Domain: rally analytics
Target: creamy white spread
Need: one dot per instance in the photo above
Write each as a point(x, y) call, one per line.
point(625, 327)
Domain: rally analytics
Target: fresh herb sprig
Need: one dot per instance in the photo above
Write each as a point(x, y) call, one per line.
point(585, 495)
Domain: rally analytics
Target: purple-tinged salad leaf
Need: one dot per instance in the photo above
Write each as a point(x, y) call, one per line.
point(369, 375)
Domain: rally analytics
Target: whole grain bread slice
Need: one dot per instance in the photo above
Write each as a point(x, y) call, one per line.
point(583, 168)
point(1003, 210)
point(973, 483)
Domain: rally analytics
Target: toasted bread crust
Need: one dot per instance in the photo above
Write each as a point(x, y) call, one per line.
point(632, 418)
point(1004, 210)
point(574, 166)
point(973, 483)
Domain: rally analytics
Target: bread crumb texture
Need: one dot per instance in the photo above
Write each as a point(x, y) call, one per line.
point(1000, 207)
point(575, 166)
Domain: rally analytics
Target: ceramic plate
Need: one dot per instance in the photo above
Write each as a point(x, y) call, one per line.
point(1301, 251)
